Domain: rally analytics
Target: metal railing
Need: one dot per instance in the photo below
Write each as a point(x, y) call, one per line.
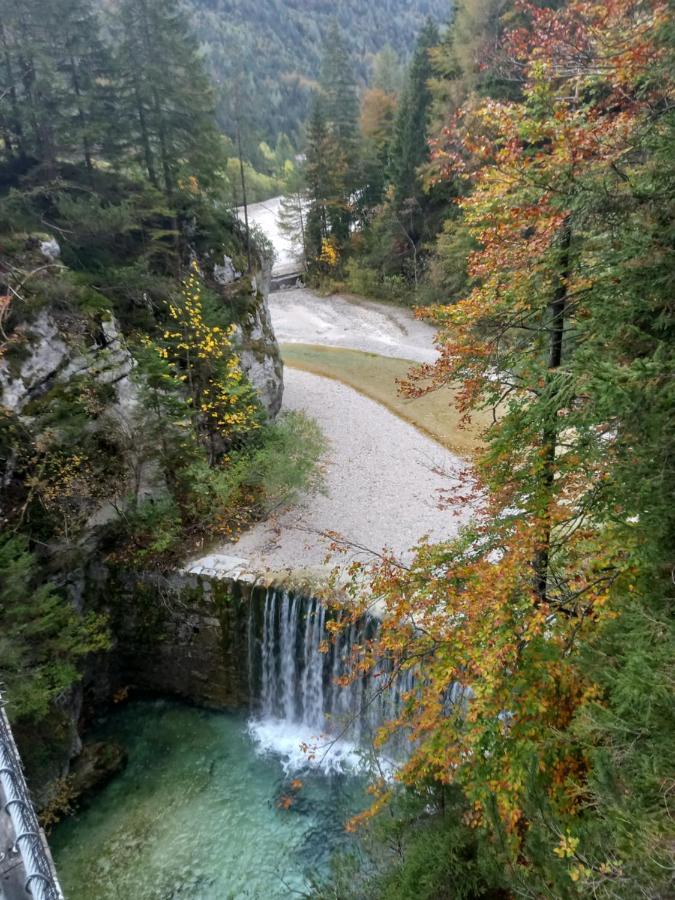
point(41, 881)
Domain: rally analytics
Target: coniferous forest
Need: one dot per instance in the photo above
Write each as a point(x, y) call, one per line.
point(509, 176)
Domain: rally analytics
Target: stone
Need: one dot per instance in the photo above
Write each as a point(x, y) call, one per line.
point(50, 249)
point(259, 351)
point(97, 763)
point(225, 273)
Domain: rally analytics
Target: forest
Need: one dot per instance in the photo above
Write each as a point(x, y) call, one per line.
point(268, 54)
point(514, 183)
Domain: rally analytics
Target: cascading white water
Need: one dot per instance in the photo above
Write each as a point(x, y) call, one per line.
point(302, 701)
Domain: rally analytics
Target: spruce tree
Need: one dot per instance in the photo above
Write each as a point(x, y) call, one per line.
point(339, 90)
point(58, 84)
point(340, 107)
point(31, 88)
point(410, 148)
point(317, 179)
point(87, 125)
point(168, 99)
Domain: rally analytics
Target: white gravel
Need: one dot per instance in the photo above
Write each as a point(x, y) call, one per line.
point(382, 476)
point(300, 316)
point(383, 479)
point(265, 216)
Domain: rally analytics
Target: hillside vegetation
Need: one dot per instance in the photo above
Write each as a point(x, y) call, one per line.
point(268, 52)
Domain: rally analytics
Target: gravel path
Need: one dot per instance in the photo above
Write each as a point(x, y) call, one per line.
point(382, 483)
point(300, 316)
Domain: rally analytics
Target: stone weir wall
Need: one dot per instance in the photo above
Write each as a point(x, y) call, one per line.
point(182, 635)
point(187, 635)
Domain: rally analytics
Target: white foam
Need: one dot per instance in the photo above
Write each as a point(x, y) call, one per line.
point(298, 748)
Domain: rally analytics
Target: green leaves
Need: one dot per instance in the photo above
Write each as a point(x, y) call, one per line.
point(42, 636)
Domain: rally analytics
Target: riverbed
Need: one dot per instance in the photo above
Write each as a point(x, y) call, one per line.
point(387, 485)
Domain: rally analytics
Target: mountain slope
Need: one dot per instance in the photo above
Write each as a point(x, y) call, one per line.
point(272, 50)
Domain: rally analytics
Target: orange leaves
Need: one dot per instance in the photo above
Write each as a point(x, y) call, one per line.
point(287, 801)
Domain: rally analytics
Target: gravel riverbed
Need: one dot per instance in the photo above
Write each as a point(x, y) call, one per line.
point(382, 484)
point(383, 477)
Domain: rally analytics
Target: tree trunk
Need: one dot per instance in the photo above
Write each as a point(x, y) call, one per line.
point(40, 119)
point(82, 118)
point(243, 197)
point(131, 29)
point(557, 309)
point(145, 135)
point(16, 123)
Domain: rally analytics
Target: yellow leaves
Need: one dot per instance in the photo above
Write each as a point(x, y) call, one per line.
point(202, 356)
point(578, 873)
point(330, 255)
point(567, 847)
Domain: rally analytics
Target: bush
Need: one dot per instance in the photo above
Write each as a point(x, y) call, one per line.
point(371, 283)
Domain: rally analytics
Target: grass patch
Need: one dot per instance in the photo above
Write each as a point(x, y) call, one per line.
point(375, 377)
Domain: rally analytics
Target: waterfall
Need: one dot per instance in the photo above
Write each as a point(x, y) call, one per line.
point(299, 697)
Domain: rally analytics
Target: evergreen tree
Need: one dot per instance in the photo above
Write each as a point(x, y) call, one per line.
point(31, 89)
point(58, 83)
point(341, 109)
point(169, 102)
point(318, 180)
point(339, 90)
point(42, 637)
point(409, 147)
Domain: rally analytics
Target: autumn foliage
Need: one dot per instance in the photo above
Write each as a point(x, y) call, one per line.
point(565, 335)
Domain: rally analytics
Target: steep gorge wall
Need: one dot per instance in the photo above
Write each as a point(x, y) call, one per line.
point(185, 635)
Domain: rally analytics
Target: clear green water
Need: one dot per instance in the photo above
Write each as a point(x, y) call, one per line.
point(197, 814)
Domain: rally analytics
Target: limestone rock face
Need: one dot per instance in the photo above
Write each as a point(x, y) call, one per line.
point(225, 273)
point(49, 355)
point(54, 358)
point(258, 348)
point(50, 249)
